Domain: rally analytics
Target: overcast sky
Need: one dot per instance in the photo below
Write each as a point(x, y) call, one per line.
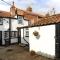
point(38, 6)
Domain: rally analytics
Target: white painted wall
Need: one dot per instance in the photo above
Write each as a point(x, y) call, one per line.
point(45, 45)
point(5, 25)
point(15, 24)
point(14, 40)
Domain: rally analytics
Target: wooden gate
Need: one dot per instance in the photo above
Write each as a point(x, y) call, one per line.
point(57, 44)
point(0, 37)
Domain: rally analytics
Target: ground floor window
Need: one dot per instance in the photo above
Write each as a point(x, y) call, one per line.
point(6, 34)
point(14, 34)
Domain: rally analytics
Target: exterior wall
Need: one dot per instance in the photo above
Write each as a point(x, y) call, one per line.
point(14, 28)
point(45, 44)
point(14, 40)
point(5, 25)
point(14, 25)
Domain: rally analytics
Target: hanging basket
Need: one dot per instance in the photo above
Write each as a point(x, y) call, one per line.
point(35, 33)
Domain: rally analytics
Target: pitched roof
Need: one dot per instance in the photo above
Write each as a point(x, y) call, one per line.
point(48, 20)
point(19, 12)
point(5, 14)
point(23, 13)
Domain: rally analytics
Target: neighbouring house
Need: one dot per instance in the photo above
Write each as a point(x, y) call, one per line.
point(44, 36)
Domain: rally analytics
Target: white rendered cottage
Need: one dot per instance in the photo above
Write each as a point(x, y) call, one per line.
point(8, 27)
point(44, 36)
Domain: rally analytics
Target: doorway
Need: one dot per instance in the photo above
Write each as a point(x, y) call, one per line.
point(0, 38)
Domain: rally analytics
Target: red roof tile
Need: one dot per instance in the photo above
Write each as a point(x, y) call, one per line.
point(48, 20)
point(5, 14)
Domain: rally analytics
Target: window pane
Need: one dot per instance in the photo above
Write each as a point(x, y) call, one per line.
point(1, 21)
point(19, 21)
point(20, 18)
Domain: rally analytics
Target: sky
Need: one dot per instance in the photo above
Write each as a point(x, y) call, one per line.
point(38, 6)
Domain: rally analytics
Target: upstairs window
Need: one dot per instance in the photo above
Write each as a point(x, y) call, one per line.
point(20, 19)
point(1, 21)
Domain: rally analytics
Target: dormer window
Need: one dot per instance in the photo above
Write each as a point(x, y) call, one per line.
point(1, 21)
point(20, 19)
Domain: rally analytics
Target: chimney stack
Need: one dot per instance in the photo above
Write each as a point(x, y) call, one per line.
point(29, 9)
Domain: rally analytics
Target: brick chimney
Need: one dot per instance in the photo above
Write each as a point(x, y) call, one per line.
point(13, 10)
point(29, 9)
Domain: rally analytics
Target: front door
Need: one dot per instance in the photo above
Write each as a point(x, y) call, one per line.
point(6, 38)
point(57, 44)
point(0, 37)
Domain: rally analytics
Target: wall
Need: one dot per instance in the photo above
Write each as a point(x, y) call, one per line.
point(45, 45)
point(5, 25)
point(14, 28)
point(14, 40)
point(15, 24)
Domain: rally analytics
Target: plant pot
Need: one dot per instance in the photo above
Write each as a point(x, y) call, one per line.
point(35, 33)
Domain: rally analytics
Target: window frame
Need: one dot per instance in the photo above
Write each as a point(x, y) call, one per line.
point(14, 34)
point(27, 32)
point(20, 19)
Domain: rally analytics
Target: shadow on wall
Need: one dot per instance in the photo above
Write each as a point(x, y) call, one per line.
point(38, 36)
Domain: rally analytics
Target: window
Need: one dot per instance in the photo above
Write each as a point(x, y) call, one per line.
point(14, 34)
point(20, 18)
point(27, 29)
point(27, 32)
point(29, 23)
point(1, 21)
point(6, 34)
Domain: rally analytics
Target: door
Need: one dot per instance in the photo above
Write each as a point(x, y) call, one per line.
point(0, 37)
point(19, 35)
point(6, 38)
point(57, 44)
